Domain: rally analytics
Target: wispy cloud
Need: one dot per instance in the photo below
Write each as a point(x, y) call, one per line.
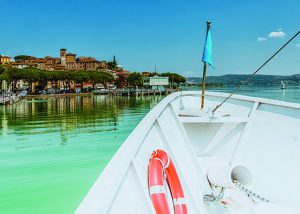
point(261, 39)
point(277, 34)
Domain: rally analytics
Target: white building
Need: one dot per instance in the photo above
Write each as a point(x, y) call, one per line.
point(156, 81)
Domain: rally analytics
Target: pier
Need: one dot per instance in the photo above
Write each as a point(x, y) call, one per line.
point(133, 92)
point(9, 99)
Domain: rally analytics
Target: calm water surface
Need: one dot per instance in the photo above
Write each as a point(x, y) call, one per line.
point(291, 94)
point(51, 151)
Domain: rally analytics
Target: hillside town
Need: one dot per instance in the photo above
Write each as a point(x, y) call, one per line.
point(24, 74)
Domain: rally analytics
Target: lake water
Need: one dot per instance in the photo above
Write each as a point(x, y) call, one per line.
point(52, 151)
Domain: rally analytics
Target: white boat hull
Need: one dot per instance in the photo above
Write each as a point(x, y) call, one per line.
point(261, 134)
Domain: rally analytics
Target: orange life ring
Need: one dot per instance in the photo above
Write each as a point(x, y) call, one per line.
point(161, 166)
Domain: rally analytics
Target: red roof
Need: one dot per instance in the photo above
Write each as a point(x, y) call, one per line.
point(122, 73)
point(5, 57)
point(41, 60)
point(20, 63)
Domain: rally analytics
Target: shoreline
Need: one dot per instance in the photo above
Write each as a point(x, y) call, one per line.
point(58, 95)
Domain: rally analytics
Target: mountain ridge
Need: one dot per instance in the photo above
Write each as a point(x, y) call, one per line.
point(259, 79)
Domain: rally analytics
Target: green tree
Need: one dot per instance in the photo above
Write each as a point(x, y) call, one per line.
point(112, 65)
point(135, 79)
point(24, 57)
point(12, 75)
point(107, 78)
point(30, 75)
point(80, 77)
point(2, 69)
point(117, 83)
point(43, 78)
point(174, 78)
point(100, 77)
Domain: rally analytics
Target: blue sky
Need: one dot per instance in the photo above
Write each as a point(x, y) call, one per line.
point(165, 33)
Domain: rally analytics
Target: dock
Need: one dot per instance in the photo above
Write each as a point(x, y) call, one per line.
point(133, 92)
point(9, 99)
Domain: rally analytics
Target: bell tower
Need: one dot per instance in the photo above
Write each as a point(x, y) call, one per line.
point(63, 55)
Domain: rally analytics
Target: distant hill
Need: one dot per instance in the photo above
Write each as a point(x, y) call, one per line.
point(257, 80)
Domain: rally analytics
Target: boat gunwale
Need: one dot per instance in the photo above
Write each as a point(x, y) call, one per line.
point(105, 179)
point(108, 182)
point(246, 98)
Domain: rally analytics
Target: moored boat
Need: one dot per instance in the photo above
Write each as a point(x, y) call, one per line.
point(282, 85)
point(240, 159)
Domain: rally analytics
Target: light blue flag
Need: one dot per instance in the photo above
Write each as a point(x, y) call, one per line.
point(207, 52)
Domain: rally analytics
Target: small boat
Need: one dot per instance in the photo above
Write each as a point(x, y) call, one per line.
point(243, 158)
point(283, 85)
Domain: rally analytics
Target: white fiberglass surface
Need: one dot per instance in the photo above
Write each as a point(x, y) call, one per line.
point(271, 151)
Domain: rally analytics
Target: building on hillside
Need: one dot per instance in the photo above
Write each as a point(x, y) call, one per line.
point(113, 73)
point(71, 61)
point(66, 61)
point(41, 64)
point(122, 76)
point(5, 59)
point(70, 57)
point(102, 65)
point(52, 60)
point(87, 63)
point(51, 63)
point(20, 65)
point(24, 58)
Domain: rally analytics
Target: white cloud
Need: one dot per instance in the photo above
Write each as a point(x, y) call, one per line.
point(277, 34)
point(298, 45)
point(261, 39)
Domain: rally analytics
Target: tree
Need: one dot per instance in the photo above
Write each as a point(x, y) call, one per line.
point(44, 77)
point(12, 75)
point(30, 75)
point(53, 76)
point(24, 58)
point(117, 83)
point(80, 77)
point(2, 69)
point(175, 79)
point(135, 79)
point(100, 77)
point(107, 78)
point(112, 65)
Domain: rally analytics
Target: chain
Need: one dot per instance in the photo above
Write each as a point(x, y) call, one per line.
point(239, 186)
point(250, 193)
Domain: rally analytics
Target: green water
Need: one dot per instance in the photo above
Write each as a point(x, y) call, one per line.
point(52, 151)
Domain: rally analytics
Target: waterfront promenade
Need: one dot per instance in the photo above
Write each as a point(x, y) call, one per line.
point(119, 92)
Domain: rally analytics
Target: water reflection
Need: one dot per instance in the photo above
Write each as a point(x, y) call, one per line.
point(51, 147)
point(68, 115)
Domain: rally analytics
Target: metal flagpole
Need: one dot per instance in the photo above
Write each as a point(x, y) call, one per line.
point(204, 72)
